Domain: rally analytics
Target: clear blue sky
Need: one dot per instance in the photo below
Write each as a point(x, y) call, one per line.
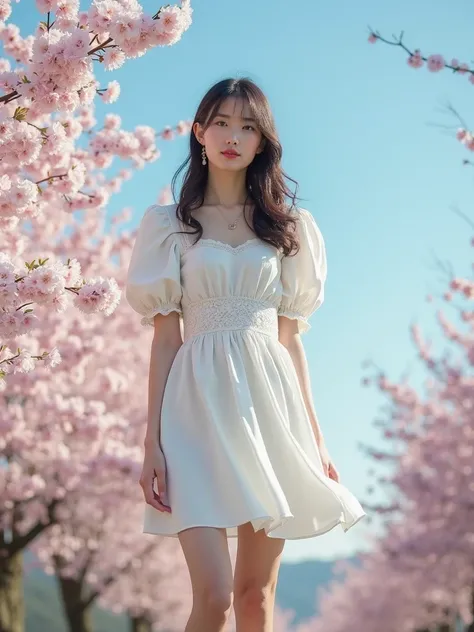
point(359, 131)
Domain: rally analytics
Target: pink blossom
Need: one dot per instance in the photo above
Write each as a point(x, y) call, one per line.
point(24, 363)
point(435, 63)
point(113, 59)
point(47, 177)
point(28, 321)
point(182, 128)
point(469, 141)
point(5, 10)
point(372, 38)
point(52, 359)
point(45, 6)
point(167, 133)
point(112, 93)
point(415, 60)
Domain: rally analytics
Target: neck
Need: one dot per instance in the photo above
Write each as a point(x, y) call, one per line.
point(225, 187)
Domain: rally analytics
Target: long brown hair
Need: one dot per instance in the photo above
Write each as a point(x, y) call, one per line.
point(265, 178)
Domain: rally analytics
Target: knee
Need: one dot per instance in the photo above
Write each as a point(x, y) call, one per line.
point(215, 600)
point(252, 601)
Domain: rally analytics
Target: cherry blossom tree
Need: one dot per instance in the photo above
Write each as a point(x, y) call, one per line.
point(43, 171)
point(419, 575)
point(156, 590)
point(99, 553)
point(57, 439)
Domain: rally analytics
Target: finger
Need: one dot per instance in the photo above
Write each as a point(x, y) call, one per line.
point(162, 487)
point(159, 504)
point(334, 473)
point(151, 497)
point(154, 501)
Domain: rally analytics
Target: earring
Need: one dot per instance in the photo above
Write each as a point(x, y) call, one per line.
point(203, 153)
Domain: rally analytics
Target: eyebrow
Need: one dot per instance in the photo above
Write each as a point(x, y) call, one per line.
point(244, 118)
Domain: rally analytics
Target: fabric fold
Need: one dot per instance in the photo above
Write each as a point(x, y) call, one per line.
point(244, 453)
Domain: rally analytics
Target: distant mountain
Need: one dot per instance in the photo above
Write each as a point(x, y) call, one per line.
point(297, 586)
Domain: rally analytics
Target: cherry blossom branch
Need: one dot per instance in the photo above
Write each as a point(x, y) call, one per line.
point(434, 62)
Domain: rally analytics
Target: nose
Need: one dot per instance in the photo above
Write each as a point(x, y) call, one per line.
point(233, 139)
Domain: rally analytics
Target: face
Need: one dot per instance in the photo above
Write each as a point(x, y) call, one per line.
point(233, 128)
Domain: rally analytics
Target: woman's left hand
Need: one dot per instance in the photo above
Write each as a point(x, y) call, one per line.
point(328, 466)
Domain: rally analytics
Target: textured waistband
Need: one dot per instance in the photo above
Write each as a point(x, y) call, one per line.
point(228, 313)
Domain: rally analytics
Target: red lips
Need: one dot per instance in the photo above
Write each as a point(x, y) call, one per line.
point(230, 152)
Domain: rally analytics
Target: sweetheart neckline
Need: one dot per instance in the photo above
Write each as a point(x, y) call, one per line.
point(225, 246)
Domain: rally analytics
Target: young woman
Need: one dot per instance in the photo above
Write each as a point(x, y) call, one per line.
point(228, 277)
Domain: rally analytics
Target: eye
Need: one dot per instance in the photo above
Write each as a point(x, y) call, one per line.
point(251, 127)
point(217, 122)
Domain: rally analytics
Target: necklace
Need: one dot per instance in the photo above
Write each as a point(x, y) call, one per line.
point(232, 225)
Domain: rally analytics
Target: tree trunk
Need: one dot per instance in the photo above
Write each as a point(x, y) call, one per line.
point(140, 624)
point(12, 609)
point(77, 615)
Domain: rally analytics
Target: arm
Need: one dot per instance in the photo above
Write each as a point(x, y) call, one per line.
point(290, 338)
point(164, 347)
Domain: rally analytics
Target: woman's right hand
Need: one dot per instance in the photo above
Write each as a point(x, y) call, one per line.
point(154, 466)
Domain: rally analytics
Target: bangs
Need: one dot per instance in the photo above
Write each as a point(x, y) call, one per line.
point(242, 98)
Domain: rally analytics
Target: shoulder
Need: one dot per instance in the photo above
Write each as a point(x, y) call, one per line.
point(305, 218)
point(160, 215)
point(300, 212)
point(160, 210)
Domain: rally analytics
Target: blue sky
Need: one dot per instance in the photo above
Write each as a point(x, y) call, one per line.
point(373, 149)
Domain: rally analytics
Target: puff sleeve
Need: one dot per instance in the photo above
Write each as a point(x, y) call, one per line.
point(303, 275)
point(153, 284)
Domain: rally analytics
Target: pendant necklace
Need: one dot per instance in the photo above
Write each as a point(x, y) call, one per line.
point(231, 225)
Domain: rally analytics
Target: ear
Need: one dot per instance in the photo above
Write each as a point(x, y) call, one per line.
point(197, 129)
point(261, 147)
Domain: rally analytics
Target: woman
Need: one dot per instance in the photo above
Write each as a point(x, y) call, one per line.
point(233, 440)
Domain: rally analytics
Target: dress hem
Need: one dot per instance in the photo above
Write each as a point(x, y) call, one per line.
point(281, 522)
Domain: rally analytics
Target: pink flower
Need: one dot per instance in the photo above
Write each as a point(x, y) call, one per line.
point(53, 358)
point(45, 6)
point(456, 284)
point(167, 133)
point(112, 93)
point(170, 17)
point(415, 60)
point(24, 363)
point(435, 63)
point(468, 290)
point(113, 58)
point(372, 38)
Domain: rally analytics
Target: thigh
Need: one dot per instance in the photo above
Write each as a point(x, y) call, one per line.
point(258, 560)
point(207, 556)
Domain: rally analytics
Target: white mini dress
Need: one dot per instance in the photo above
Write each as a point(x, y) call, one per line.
point(237, 439)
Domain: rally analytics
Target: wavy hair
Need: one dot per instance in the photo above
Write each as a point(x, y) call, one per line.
point(272, 219)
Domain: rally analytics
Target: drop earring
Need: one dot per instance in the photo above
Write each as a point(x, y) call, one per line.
point(203, 153)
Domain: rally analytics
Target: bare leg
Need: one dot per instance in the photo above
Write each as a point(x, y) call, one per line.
point(207, 556)
point(256, 575)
